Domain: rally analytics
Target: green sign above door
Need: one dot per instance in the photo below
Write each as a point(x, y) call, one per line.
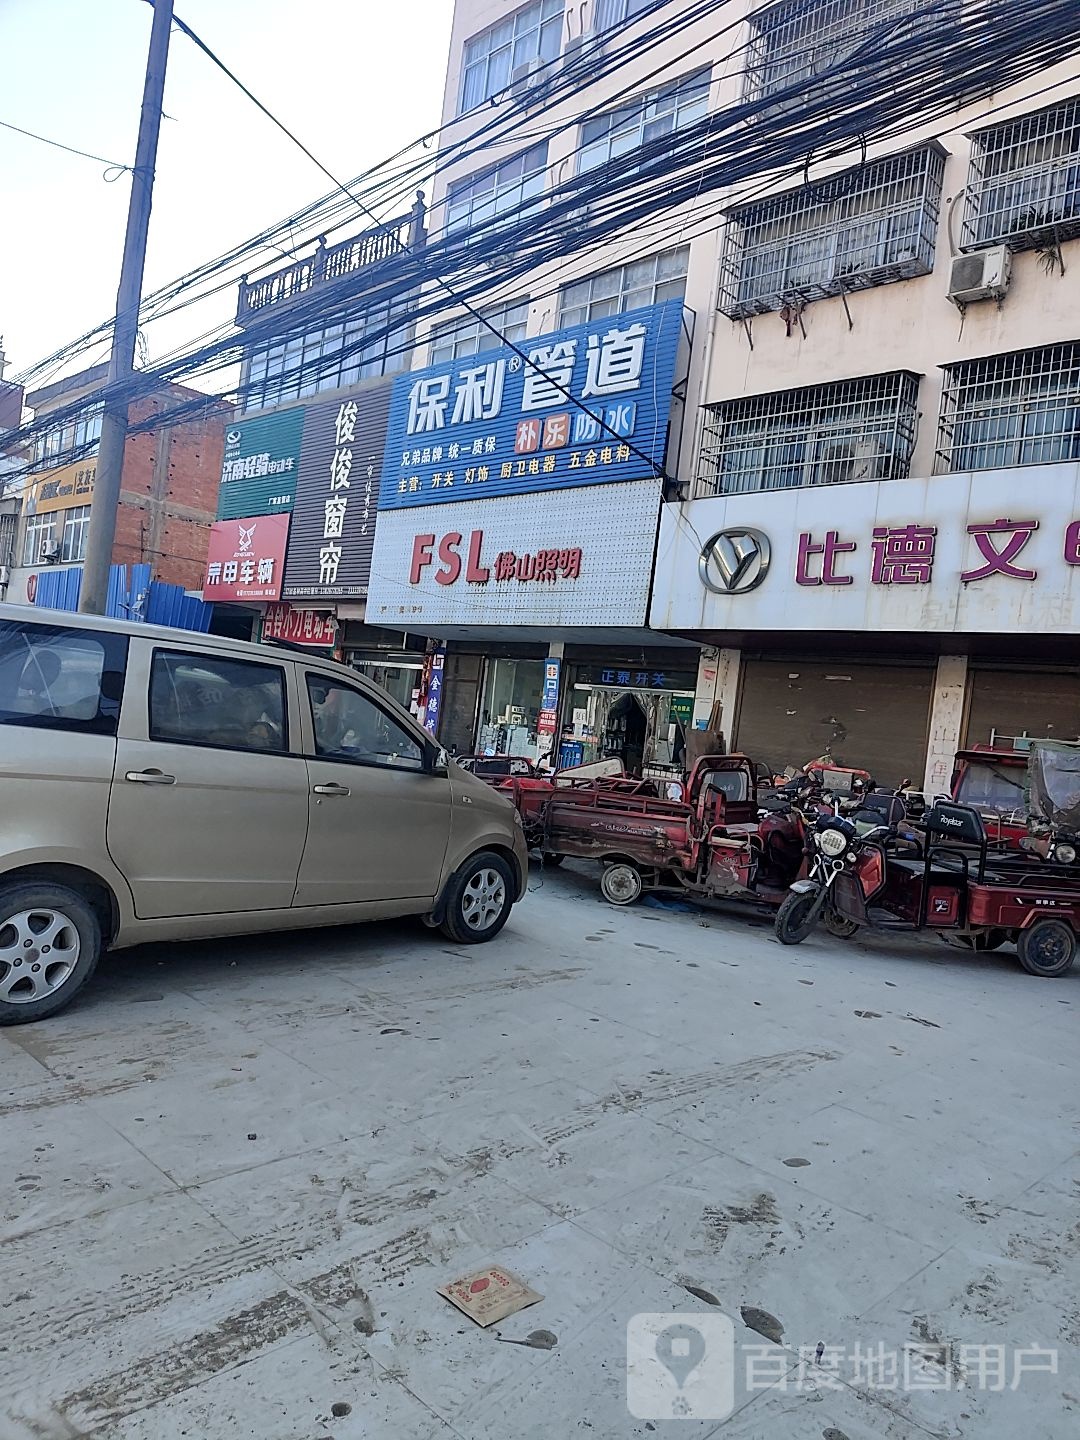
point(262, 459)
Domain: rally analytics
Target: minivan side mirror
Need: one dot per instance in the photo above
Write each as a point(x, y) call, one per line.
point(440, 762)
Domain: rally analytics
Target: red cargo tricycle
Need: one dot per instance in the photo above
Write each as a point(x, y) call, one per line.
point(714, 845)
point(948, 881)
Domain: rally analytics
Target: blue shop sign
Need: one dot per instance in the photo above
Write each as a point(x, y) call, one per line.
point(434, 691)
point(490, 424)
point(549, 699)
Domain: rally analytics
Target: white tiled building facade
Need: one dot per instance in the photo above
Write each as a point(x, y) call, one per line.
point(826, 355)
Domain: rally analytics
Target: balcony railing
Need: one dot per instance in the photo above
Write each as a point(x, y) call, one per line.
point(861, 228)
point(332, 262)
point(841, 432)
point(1024, 186)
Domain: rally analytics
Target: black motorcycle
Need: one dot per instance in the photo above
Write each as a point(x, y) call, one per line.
point(834, 842)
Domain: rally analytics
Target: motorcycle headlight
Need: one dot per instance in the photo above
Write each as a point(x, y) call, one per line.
point(832, 843)
point(1065, 854)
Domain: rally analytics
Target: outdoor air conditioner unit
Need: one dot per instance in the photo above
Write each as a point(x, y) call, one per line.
point(870, 460)
point(983, 275)
point(847, 461)
point(526, 77)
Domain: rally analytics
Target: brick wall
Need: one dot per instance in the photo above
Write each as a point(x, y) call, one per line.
point(168, 493)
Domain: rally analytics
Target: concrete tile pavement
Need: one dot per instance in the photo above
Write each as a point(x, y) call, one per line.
point(602, 1100)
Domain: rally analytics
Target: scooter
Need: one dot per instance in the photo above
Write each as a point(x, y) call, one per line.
point(835, 843)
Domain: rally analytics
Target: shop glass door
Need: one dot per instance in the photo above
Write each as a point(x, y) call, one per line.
point(510, 707)
point(399, 675)
point(643, 727)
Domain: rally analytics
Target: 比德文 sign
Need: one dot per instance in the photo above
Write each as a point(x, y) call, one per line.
point(991, 551)
point(588, 405)
point(262, 455)
point(337, 495)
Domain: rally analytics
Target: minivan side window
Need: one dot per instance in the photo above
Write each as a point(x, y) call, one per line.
point(53, 678)
point(212, 700)
point(349, 726)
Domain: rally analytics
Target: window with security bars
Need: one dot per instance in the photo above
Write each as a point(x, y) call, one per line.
point(644, 119)
point(822, 435)
point(626, 287)
point(865, 227)
point(1024, 183)
point(1016, 409)
point(504, 189)
point(8, 525)
point(503, 53)
point(331, 356)
point(794, 42)
point(469, 336)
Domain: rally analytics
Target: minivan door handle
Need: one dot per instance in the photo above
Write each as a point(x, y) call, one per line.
point(150, 777)
point(334, 789)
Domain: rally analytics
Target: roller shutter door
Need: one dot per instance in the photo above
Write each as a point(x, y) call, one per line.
point(873, 717)
point(1012, 702)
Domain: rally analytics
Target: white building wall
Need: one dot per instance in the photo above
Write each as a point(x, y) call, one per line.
point(908, 325)
point(904, 325)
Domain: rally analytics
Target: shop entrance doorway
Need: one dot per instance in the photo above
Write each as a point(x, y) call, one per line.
point(640, 717)
point(625, 733)
point(510, 707)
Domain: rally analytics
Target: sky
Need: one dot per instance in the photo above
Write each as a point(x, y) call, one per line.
point(354, 79)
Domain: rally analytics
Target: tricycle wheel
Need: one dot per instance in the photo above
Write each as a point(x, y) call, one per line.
point(1047, 949)
point(796, 917)
point(620, 883)
point(838, 925)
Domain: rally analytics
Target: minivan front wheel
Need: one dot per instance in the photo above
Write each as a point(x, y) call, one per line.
point(479, 899)
point(50, 941)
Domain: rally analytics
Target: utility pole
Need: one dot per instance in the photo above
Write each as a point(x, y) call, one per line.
point(110, 463)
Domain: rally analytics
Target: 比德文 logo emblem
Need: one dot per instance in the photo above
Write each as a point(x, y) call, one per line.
point(734, 561)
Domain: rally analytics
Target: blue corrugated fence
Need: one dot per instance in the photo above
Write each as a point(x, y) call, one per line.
point(133, 595)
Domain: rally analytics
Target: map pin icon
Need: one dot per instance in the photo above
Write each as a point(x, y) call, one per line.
point(680, 1349)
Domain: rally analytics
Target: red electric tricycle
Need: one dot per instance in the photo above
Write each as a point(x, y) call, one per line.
point(948, 880)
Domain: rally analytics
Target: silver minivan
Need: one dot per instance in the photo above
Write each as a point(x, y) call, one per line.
point(157, 784)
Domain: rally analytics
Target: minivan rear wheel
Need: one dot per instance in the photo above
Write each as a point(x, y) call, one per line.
point(50, 941)
point(479, 899)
